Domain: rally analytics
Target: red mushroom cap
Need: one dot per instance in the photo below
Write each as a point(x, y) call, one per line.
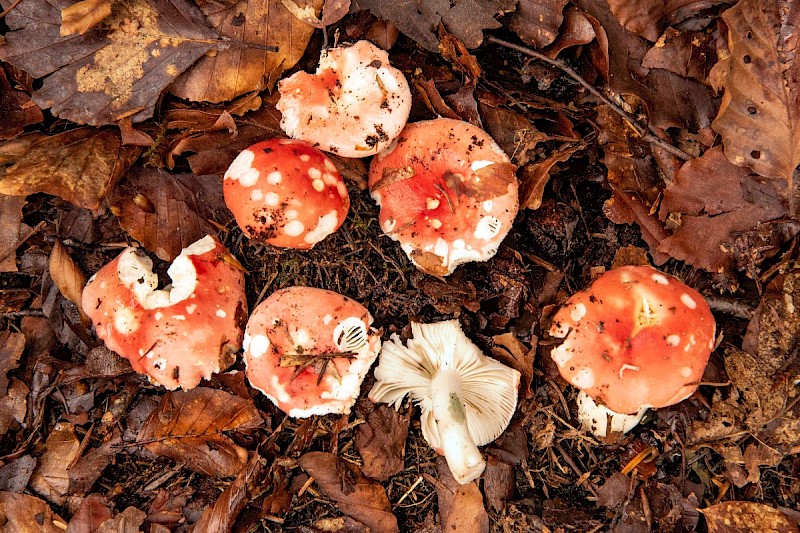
point(180, 335)
point(447, 193)
point(286, 192)
point(635, 338)
point(305, 328)
point(355, 105)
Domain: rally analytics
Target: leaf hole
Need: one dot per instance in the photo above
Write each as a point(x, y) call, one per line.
point(749, 35)
point(755, 154)
point(752, 109)
point(746, 59)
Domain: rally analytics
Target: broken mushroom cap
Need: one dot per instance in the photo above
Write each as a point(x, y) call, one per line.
point(286, 192)
point(309, 349)
point(466, 398)
point(447, 193)
point(354, 106)
point(636, 338)
point(177, 335)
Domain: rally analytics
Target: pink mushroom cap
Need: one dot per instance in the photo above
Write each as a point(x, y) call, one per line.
point(286, 192)
point(447, 192)
point(325, 343)
point(635, 338)
point(354, 106)
point(176, 336)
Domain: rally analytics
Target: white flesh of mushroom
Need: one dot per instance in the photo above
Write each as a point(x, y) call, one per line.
point(601, 420)
point(466, 398)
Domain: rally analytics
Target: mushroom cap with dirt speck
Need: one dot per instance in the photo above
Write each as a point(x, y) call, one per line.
point(176, 336)
point(286, 193)
point(635, 338)
point(354, 106)
point(448, 194)
point(324, 342)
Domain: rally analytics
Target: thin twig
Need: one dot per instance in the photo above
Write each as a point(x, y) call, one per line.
point(12, 6)
point(641, 130)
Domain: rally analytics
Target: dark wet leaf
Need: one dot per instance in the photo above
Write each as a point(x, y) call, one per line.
point(613, 491)
point(167, 212)
point(80, 166)
point(16, 109)
point(188, 427)
point(735, 517)
point(650, 19)
point(354, 494)
point(536, 22)
point(93, 511)
point(686, 53)
point(10, 230)
point(222, 515)
point(22, 513)
point(460, 506)
point(498, 483)
point(113, 71)
point(381, 439)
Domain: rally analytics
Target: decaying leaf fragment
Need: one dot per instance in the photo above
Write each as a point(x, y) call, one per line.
point(188, 427)
point(116, 70)
point(460, 506)
point(51, 478)
point(79, 166)
point(759, 117)
point(23, 513)
point(731, 517)
point(537, 21)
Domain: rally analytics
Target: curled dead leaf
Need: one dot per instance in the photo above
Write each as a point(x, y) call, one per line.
point(68, 277)
point(24, 513)
point(82, 16)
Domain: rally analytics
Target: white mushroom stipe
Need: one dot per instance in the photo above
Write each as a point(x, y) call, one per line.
point(601, 420)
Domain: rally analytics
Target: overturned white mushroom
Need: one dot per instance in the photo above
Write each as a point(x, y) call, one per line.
point(466, 398)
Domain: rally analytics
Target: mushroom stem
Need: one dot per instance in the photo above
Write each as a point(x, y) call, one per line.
point(463, 457)
point(601, 420)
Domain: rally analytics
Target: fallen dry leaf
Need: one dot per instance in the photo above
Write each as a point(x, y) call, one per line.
point(115, 70)
point(536, 22)
point(460, 506)
point(51, 478)
point(10, 226)
point(466, 19)
point(332, 12)
point(88, 469)
point(13, 406)
point(509, 350)
point(759, 117)
point(735, 517)
point(577, 29)
point(167, 212)
point(93, 511)
point(533, 177)
point(22, 513)
point(188, 426)
point(15, 475)
point(79, 166)
point(11, 347)
point(68, 277)
point(82, 16)
point(686, 53)
point(243, 67)
point(128, 521)
point(713, 200)
point(222, 515)
point(167, 507)
point(355, 495)
point(381, 439)
point(650, 19)
point(498, 483)
point(16, 109)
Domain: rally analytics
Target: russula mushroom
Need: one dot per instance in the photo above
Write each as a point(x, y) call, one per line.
point(354, 106)
point(286, 192)
point(447, 193)
point(308, 350)
point(176, 335)
point(635, 338)
point(466, 398)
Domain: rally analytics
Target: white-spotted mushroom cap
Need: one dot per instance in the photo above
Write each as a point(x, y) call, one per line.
point(308, 350)
point(467, 399)
point(447, 193)
point(286, 192)
point(634, 338)
point(178, 335)
point(354, 106)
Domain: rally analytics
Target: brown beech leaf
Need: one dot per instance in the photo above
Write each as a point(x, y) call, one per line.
point(686, 53)
point(93, 511)
point(670, 100)
point(332, 12)
point(509, 350)
point(23, 513)
point(82, 16)
point(14, 476)
point(80, 166)
point(188, 426)
point(128, 521)
point(222, 515)
point(243, 67)
point(578, 29)
point(418, 19)
point(10, 225)
point(68, 276)
point(536, 22)
point(118, 69)
point(713, 199)
point(86, 470)
point(460, 506)
point(381, 439)
point(16, 109)
point(498, 483)
point(735, 517)
point(650, 19)
point(51, 478)
point(167, 212)
point(13, 405)
point(533, 177)
point(759, 118)
point(355, 495)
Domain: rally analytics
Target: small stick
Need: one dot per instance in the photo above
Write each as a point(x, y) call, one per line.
point(640, 130)
point(410, 490)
